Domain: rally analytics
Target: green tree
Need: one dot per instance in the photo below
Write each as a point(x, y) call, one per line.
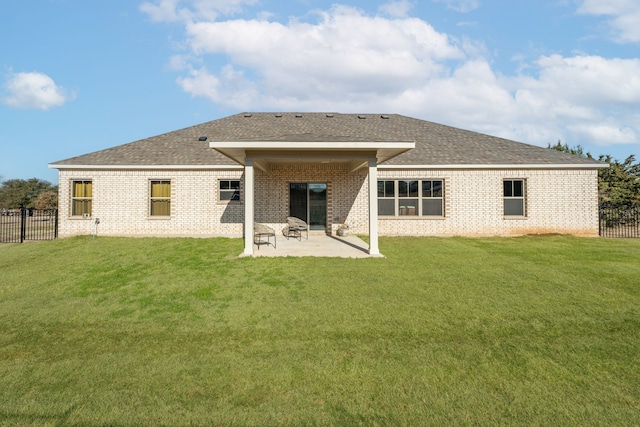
point(46, 200)
point(15, 193)
point(577, 150)
point(619, 184)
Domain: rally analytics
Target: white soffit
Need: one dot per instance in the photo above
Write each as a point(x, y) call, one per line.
point(383, 151)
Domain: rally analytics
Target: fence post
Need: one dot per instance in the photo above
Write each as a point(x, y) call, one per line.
point(600, 214)
point(55, 227)
point(23, 223)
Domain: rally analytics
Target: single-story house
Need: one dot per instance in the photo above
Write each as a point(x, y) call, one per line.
point(381, 174)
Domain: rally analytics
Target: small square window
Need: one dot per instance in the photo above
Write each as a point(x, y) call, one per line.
point(386, 188)
point(407, 188)
point(229, 191)
point(386, 207)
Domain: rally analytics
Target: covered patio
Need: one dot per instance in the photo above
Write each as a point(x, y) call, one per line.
point(352, 155)
point(317, 245)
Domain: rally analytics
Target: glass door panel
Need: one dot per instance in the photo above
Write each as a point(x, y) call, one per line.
point(317, 206)
point(298, 200)
point(309, 203)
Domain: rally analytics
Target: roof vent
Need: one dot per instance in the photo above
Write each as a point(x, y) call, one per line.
point(278, 115)
point(248, 114)
point(384, 116)
point(298, 115)
point(362, 116)
point(329, 115)
point(202, 138)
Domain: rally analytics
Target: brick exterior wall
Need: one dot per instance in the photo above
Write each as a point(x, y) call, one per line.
point(557, 201)
point(346, 193)
point(121, 202)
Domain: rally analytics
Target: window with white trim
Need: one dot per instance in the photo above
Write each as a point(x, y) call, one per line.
point(411, 197)
point(229, 190)
point(160, 198)
point(514, 197)
point(81, 197)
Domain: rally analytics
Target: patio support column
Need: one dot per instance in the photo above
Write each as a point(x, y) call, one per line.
point(249, 191)
point(373, 207)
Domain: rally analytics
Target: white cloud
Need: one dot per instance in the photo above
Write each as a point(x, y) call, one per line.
point(345, 56)
point(582, 99)
point(607, 133)
point(346, 52)
point(229, 88)
point(592, 80)
point(179, 63)
point(588, 99)
point(397, 9)
point(463, 6)
point(609, 7)
point(349, 61)
point(624, 17)
point(162, 11)
point(33, 91)
point(192, 10)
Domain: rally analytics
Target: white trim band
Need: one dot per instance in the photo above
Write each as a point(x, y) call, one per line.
point(523, 166)
point(143, 167)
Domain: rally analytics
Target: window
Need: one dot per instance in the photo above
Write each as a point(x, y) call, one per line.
point(432, 200)
point(407, 198)
point(229, 191)
point(386, 197)
point(513, 193)
point(81, 198)
point(411, 198)
point(160, 200)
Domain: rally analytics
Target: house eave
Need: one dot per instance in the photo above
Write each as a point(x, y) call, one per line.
point(387, 167)
point(501, 166)
point(145, 167)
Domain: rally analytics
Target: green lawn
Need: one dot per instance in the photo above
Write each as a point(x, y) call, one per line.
point(521, 331)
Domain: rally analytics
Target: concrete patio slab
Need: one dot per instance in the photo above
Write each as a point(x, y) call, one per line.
point(316, 245)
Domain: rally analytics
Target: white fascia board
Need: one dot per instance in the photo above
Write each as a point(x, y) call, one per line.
point(523, 166)
point(142, 167)
point(315, 145)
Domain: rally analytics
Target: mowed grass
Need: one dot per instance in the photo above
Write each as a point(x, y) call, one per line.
point(520, 331)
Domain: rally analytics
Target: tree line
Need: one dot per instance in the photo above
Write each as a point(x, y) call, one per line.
point(619, 184)
point(31, 193)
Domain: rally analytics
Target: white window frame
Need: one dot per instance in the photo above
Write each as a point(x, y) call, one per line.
point(507, 198)
point(75, 198)
point(229, 190)
point(159, 198)
point(411, 211)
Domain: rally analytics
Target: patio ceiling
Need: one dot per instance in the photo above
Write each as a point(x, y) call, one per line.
point(355, 154)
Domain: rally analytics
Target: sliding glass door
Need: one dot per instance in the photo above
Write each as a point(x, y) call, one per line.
point(308, 201)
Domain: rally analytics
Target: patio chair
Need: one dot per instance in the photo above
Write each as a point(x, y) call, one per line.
point(262, 235)
point(295, 227)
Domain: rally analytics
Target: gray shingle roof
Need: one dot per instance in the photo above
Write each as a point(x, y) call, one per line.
point(436, 144)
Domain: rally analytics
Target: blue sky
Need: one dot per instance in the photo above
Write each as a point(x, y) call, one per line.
point(78, 76)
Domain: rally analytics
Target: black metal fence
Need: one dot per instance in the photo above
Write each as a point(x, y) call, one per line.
point(620, 221)
point(18, 225)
